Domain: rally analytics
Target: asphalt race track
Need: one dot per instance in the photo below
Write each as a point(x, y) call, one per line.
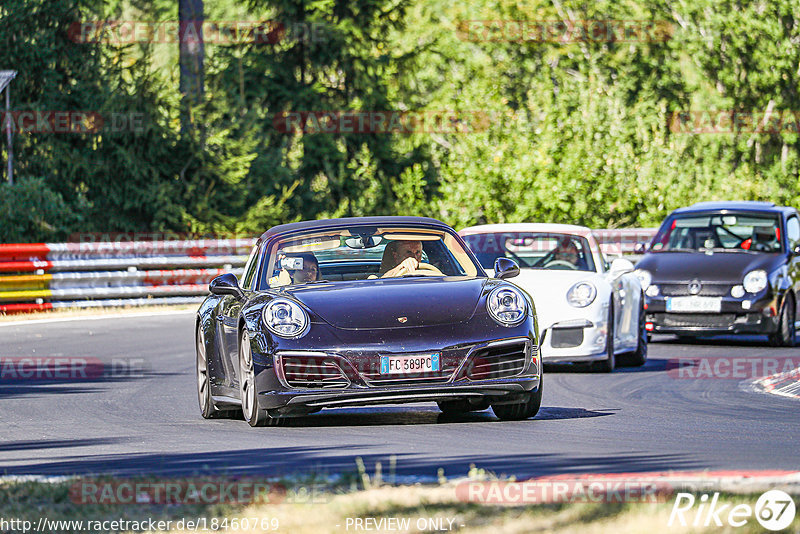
point(145, 420)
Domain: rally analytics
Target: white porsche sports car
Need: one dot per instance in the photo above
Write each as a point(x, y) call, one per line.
point(588, 310)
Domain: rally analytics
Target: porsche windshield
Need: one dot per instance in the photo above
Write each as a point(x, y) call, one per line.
point(719, 232)
point(533, 250)
point(362, 253)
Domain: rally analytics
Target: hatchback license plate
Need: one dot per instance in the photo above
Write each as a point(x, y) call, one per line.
point(694, 304)
point(410, 364)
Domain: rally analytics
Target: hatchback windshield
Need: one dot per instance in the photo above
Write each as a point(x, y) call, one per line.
point(362, 253)
point(744, 232)
point(533, 250)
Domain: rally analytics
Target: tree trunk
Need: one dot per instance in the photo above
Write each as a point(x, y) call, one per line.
point(192, 53)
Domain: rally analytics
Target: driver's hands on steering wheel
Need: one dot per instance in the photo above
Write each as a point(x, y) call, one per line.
point(407, 266)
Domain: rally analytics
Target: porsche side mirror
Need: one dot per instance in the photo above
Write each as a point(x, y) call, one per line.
point(505, 268)
point(621, 265)
point(640, 248)
point(226, 284)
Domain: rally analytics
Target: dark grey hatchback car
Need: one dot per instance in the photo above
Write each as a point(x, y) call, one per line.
point(724, 267)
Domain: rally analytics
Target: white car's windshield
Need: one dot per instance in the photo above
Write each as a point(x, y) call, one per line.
point(533, 250)
point(361, 253)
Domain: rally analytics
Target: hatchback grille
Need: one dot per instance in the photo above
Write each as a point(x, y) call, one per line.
point(697, 320)
point(501, 361)
point(706, 290)
point(316, 372)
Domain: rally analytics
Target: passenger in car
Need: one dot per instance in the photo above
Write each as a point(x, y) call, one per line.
point(310, 270)
point(400, 257)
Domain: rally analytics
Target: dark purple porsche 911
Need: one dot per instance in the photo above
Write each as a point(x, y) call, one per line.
point(365, 311)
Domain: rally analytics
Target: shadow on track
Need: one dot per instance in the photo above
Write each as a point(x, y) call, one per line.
point(714, 341)
point(652, 365)
point(18, 387)
point(57, 443)
point(285, 461)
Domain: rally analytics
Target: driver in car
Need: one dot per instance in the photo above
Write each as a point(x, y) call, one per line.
point(568, 251)
point(400, 258)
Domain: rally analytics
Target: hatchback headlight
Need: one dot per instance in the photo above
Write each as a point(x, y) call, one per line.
point(581, 294)
point(644, 277)
point(285, 318)
point(755, 281)
point(506, 305)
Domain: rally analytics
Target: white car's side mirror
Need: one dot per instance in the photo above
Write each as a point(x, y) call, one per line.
point(621, 265)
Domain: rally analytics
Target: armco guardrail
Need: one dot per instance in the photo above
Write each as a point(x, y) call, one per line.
point(43, 276)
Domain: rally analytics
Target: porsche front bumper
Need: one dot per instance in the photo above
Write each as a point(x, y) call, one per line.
point(499, 370)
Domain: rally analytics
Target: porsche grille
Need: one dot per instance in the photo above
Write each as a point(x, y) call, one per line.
point(313, 372)
point(501, 361)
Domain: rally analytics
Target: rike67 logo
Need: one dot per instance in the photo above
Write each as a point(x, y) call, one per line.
point(774, 510)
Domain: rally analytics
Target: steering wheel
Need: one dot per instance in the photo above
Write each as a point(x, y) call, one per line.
point(561, 265)
point(428, 270)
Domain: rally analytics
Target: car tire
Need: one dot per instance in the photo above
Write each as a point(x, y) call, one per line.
point(607, 365)
point(252, 411)
point(785, 336)
point(520, 410)
point(207, 408)
point(456, 407)
point(638, 357)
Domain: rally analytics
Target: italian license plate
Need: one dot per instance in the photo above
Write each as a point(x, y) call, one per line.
point(410, 364)
point(694, 304)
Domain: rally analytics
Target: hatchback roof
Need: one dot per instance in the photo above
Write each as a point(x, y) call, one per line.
point(736, 205)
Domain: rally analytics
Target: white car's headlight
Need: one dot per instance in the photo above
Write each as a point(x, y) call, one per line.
point(644, 277)
point(581, 294)
point(755, 281)
point(506, 305)
point(285, 318)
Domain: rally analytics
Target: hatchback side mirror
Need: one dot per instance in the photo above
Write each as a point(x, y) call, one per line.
point(796, 250)
point(505, 268)
point(226, 284)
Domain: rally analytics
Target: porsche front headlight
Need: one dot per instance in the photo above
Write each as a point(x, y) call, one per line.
point(285, 318)
point(644, 277)
point(506, 305)
point(755, 281)
point(581, 294)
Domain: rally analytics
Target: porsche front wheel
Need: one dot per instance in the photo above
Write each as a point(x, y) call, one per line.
point(207, 408)
point(253, 413)
point(520, 410)
point(607, 365)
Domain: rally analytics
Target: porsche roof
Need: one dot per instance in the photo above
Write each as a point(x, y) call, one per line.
point(352, 221)
point(548, 228)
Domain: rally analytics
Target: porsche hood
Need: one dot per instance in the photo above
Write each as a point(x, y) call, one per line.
point(393, 303)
